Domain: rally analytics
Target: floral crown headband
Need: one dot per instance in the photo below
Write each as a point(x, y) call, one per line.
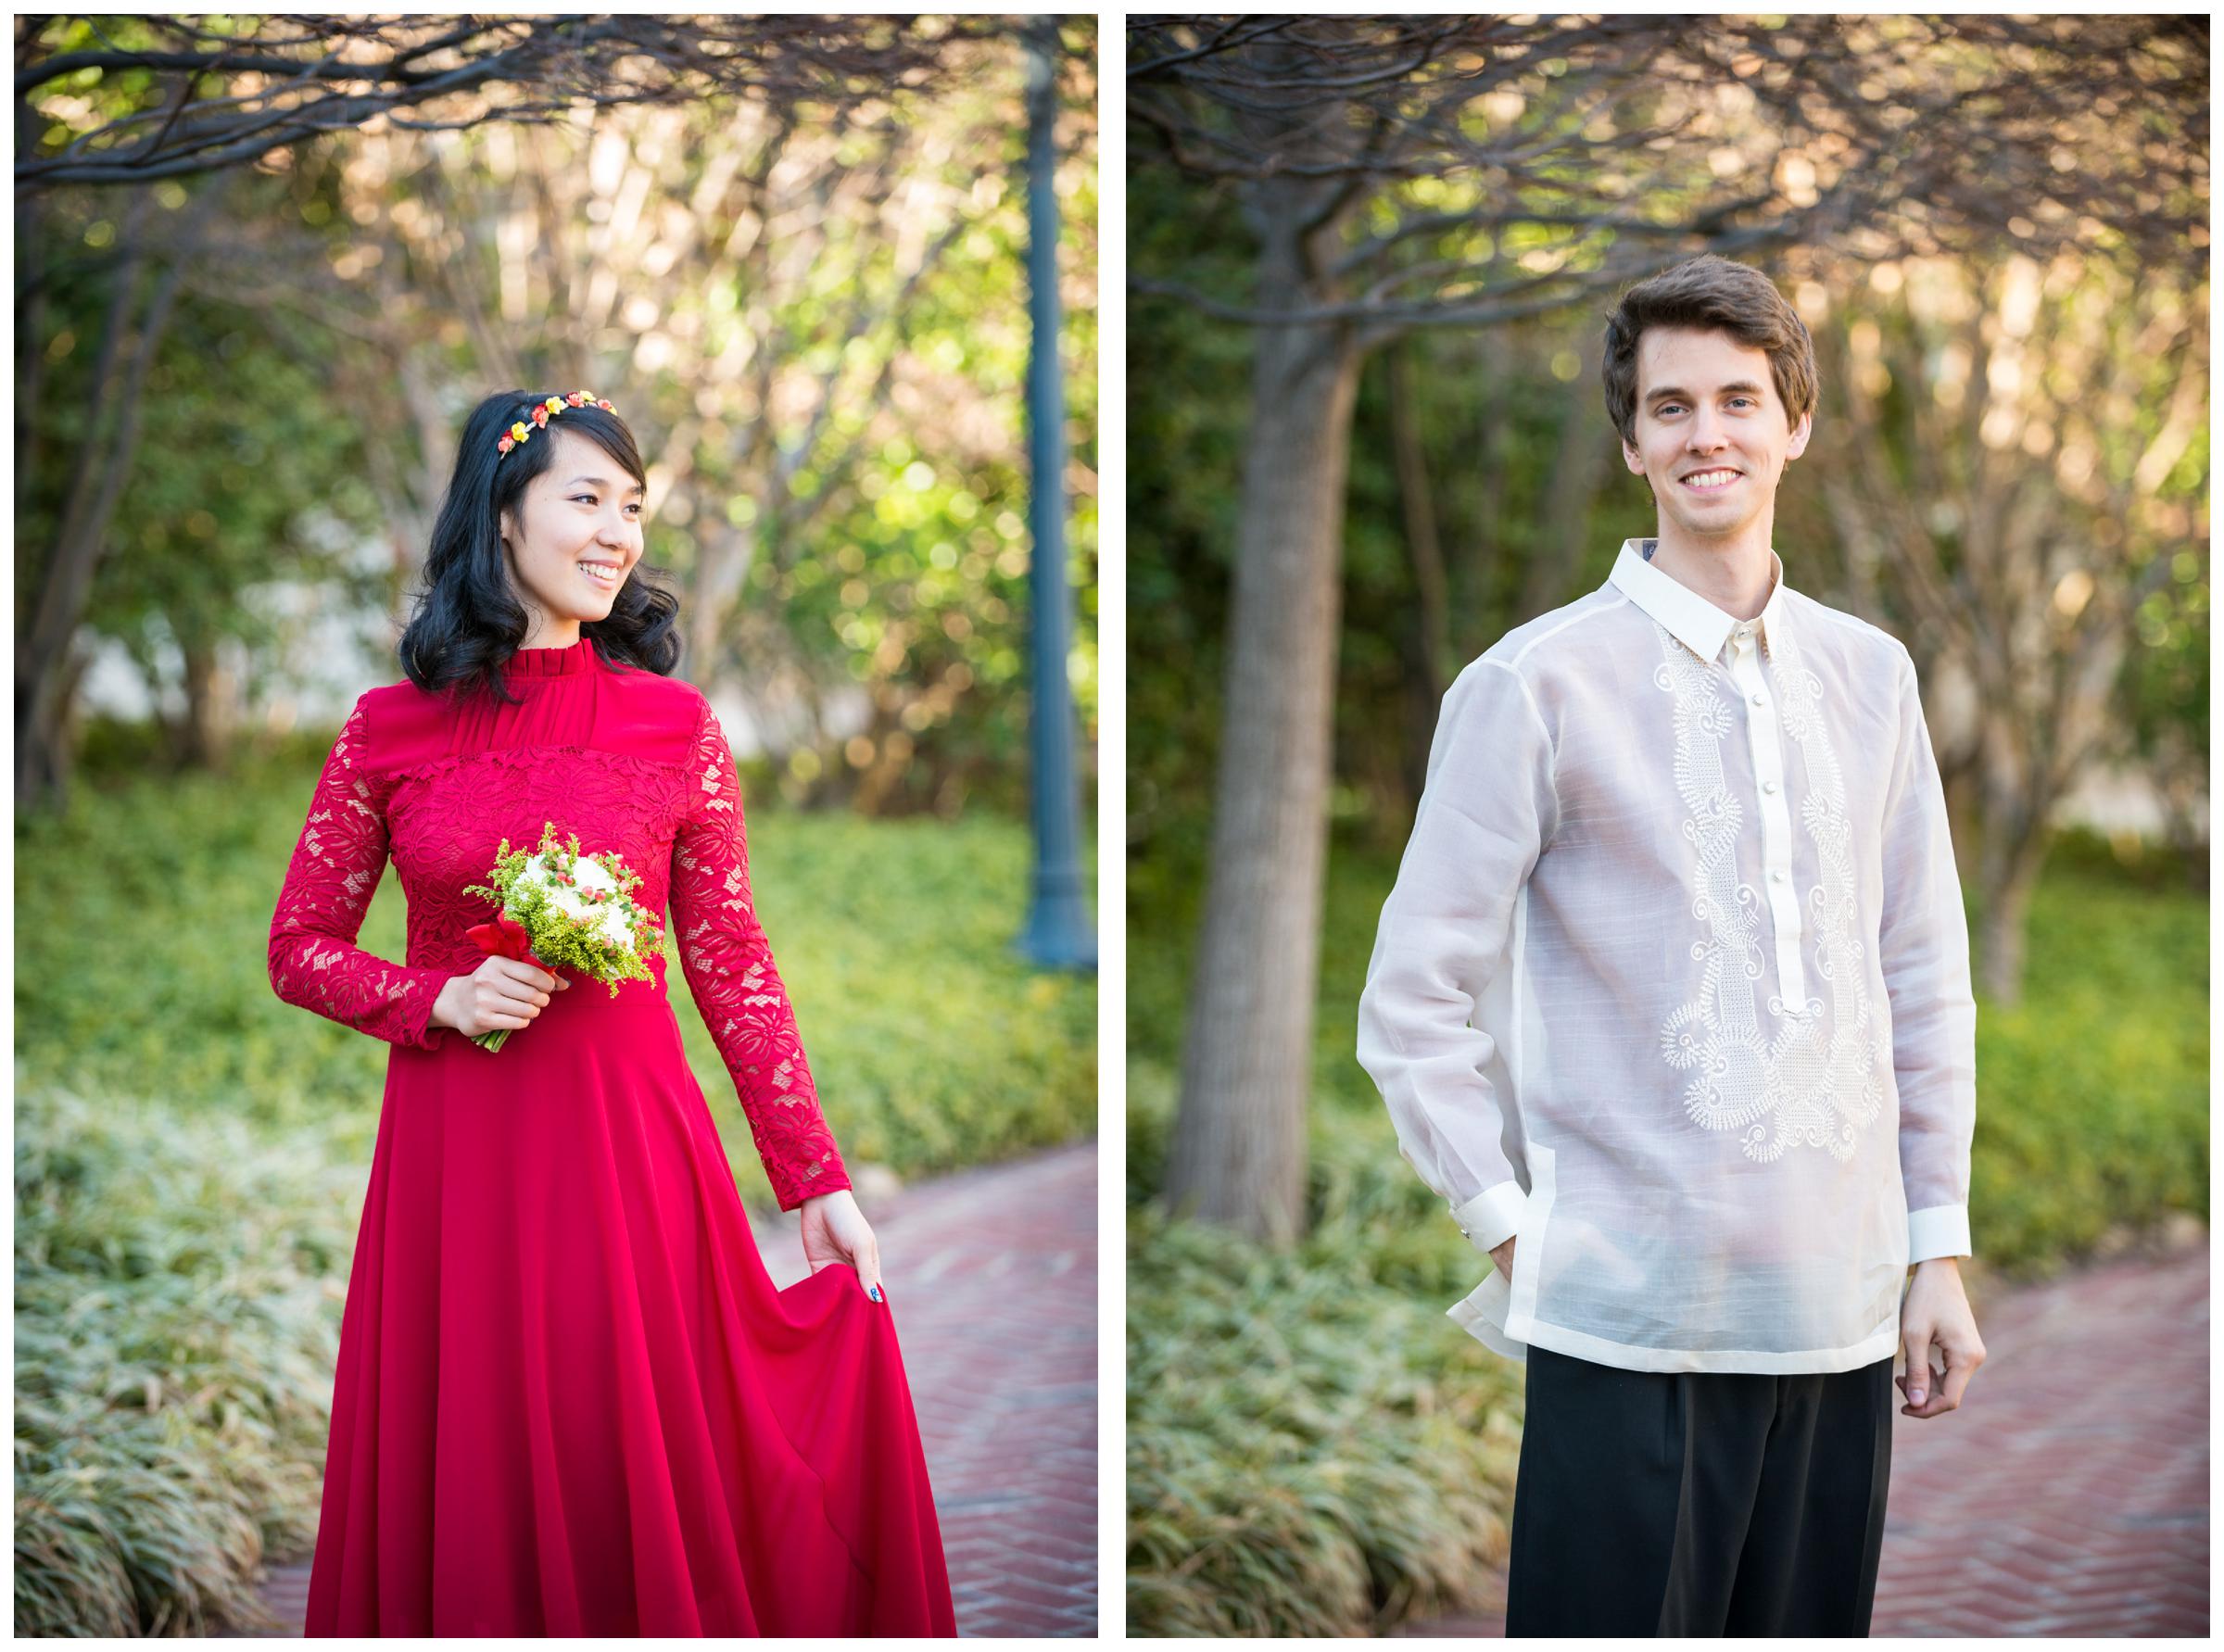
point(543, 412)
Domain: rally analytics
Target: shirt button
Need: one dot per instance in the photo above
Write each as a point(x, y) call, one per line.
point(1776, 876)
point(1769, 786)
point(1760, 699)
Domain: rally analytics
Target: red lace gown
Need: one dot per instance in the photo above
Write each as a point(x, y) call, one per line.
point(569, 1400)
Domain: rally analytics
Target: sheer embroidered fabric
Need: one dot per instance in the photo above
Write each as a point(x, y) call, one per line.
point(1719, 1117)
point(671, 806)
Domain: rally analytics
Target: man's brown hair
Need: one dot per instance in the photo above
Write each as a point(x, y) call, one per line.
point(1710, 291)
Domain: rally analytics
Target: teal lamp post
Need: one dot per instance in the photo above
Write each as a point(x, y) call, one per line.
point(1060, 933)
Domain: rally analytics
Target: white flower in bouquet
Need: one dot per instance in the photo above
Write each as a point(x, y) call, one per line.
point(568, 911)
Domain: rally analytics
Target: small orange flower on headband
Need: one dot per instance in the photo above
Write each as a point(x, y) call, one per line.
point(543, 412)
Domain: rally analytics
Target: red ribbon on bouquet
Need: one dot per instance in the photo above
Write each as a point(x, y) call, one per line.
point(505, 938)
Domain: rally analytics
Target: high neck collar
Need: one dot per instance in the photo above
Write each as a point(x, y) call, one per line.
point(553, 662)
point(1690, 618)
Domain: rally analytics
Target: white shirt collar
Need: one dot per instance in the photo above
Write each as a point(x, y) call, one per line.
point(1689, 617)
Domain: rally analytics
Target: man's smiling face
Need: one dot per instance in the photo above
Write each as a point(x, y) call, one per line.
point(1712, 436)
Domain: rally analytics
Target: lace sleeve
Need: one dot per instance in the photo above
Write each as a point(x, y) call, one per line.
point(335, 869)
point(729, 969)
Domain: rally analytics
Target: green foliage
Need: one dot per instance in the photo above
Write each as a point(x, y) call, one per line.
point(1493, 408)
point(178, 1279)
point(1314, 1449)
point(912, 579)
point(2093, 1094)
point(2166, 681)
point(1189, 397)
point(143, 923)
point(868, 469)
point(234, 481)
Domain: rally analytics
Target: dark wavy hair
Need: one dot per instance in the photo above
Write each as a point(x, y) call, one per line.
point(468, 619)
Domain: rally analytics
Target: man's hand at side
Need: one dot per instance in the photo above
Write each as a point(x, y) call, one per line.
point(1936, 1311)
point(1501, 1257)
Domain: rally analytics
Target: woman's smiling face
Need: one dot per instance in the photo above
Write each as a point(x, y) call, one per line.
point(576, 533)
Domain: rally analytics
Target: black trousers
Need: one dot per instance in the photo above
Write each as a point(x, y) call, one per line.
point(1699, 1503)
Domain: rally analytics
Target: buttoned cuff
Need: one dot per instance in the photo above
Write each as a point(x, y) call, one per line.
point(1493, 1215)
point(1942, 1230)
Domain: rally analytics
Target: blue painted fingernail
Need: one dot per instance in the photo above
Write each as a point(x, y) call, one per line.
point(874, 1293)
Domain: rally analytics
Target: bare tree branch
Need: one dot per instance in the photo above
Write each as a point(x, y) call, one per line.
point(1835, 129)
point(294, 79)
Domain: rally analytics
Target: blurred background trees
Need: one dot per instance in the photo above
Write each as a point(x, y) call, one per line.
point(2017, 487)
point(1432, 200)
point(237, 388)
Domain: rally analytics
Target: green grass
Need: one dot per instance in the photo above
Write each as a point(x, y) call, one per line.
point(143, 919)
point(2093, 1093)
point(1314, 1449)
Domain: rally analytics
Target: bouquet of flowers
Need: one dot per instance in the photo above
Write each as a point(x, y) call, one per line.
point(562, 909)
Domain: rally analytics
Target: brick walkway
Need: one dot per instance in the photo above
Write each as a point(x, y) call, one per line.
point(2069, 1495)
point(995, 1270)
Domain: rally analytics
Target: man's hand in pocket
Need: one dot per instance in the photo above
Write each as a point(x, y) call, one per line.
point(1501, 1256)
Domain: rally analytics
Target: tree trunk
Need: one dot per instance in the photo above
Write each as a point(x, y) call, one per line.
point(103, 464)
point(1417, 509)
point(1579, 465)
point(2000, 929)
point(1237, 1156)
point(1493, 476)
point(1427, 645)
point(723, 557)
point(58, 752)
point(2013, 848)
point(212, 708)
point(31, 279)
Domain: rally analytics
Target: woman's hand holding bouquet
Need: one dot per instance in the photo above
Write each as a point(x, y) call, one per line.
point(561, 910)
point(504, 993)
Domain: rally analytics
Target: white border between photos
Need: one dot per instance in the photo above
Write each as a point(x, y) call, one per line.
point(1111, 827)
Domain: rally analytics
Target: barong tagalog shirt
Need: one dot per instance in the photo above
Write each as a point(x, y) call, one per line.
point(1672, 987)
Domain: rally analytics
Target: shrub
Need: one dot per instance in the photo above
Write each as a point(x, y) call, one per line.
point(178, 1291)
point(1307, 1453)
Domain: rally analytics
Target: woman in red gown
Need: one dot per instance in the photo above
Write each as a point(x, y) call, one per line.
point(569, 1400)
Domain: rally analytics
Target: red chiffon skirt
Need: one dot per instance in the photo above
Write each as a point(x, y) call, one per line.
point(569, 1400)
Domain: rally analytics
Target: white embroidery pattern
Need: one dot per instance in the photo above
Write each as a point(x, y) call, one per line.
point(1849, 1083)
point(1818, 1090)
